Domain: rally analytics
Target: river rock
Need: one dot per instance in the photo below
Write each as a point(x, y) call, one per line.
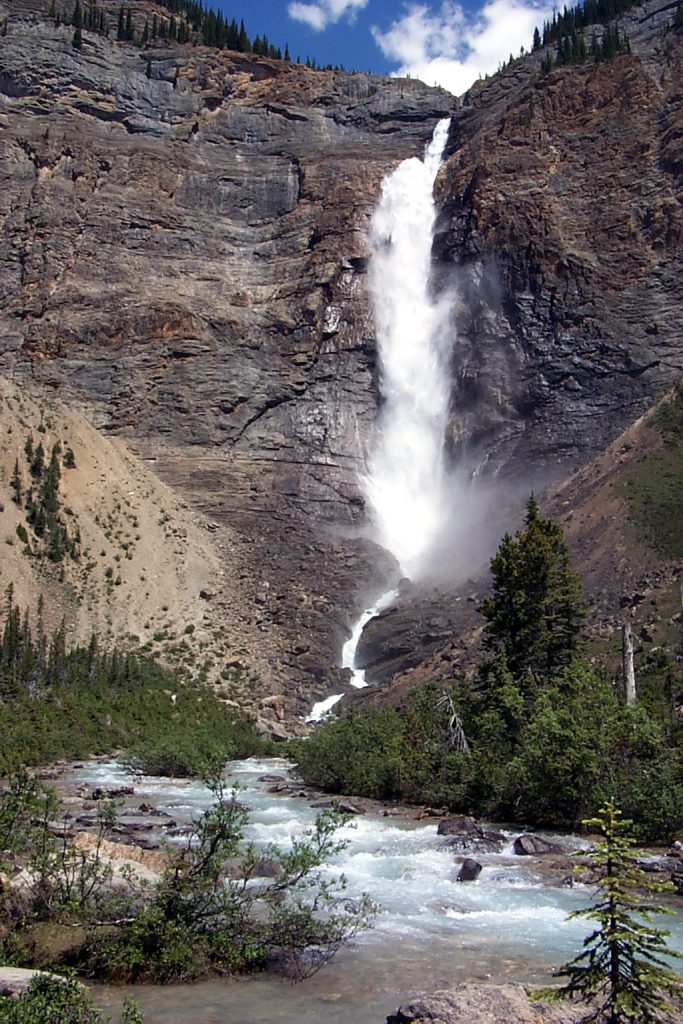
point(470, 870)
point(267, 867)
point(464, 835)
point(530, 845)
point(458, 823)
point(15, 980)
point(343, 806)
point(100, 793)
point(482, 1004)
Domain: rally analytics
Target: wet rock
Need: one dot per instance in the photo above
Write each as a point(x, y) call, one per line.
point(469, 871)
point(660, 865)
point(455, 825)
point(464, 835)
point(530, 845)
point(272, 778)
point(343, 806)
point(266, 867)
point(100, 793)
point(478, 841)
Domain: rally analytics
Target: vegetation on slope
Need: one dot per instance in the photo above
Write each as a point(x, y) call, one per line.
point(540, 735)
point(58, 702)
point(655, 486)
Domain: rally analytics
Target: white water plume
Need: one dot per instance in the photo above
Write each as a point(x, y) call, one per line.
point(406, 481)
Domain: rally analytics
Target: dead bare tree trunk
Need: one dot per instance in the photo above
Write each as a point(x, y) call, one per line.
point(627, 660)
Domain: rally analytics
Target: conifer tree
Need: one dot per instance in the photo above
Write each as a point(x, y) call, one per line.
point(621, 971)
point(15, 484)
point(537, 607)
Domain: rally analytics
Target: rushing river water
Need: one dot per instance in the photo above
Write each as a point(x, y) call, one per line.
point(431, 932)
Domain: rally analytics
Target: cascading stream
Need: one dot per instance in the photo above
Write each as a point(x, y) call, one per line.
point(406, 476)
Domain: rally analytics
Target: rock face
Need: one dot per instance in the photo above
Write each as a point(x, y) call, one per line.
point(185, 260)
point(564, 228)
point(187, 263)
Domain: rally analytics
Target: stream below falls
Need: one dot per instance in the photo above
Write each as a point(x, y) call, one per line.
point(431, 932)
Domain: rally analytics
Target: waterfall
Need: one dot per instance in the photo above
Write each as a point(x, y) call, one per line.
point(406, 477)
point(406, 480)
point(405, 483)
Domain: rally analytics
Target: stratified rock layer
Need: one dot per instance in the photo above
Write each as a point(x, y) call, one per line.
point(184, 260)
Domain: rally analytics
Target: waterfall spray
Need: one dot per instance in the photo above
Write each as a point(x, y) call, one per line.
point(406, 477)
point(405, 482)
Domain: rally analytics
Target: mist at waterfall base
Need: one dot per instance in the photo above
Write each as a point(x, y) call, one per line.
point(431, 515)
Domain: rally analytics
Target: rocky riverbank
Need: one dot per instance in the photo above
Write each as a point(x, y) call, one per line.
point(484, 1004)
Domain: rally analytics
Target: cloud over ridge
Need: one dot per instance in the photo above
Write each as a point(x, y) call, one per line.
point(325, 12)
point(447, 46)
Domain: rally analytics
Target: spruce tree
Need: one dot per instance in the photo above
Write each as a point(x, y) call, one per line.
point(15, 484)
point(537, 607)
point(621, 972)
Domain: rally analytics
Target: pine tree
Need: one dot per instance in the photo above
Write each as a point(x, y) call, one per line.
point(621, 971)
point(537, 607)
point(15, 484)
point(537, 39)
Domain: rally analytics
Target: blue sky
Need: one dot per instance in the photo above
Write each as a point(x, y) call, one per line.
point(440, 41)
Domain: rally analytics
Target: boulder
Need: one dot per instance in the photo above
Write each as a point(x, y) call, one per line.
point(533, 846)
point(343, 806)
point(482, 1004)
point(478, 841)
point(469, 871)
point(101, 793)
point(15, 980)
point(455, 825)
point(267, 867)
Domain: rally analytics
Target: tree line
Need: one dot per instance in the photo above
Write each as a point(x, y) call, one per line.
point(189, 22)
point(69, 700)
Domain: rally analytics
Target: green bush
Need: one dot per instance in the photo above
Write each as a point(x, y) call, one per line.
point(52, 1000)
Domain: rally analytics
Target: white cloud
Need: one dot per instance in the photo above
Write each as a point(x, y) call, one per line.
point(448, 47)
point(326, 12)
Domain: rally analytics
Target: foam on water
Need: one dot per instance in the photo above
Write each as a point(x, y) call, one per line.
point(432, 931)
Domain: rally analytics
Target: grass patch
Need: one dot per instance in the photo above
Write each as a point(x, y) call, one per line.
point(654, 487)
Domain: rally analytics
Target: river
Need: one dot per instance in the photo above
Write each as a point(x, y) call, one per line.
point(431, 932)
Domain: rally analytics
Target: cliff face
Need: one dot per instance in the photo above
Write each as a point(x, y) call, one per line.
point(184, 247)
point(186, 263)
point(562, 210)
